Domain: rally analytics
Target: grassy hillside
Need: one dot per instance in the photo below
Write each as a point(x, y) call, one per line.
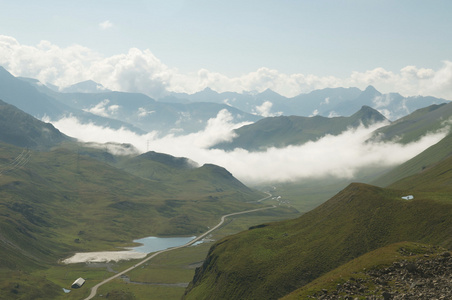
point(272, 260)
point(55, 203)
point(429, 158)
point(416, 124)
point(294, 130)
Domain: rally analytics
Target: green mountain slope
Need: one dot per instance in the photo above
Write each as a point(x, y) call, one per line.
point(294, 130)
point(427, 159)
point(68, 193)
point(420, 122)
point(59, 202)
point(21, 129)
point(273, 260)
point(73, 198)
point(183, 175)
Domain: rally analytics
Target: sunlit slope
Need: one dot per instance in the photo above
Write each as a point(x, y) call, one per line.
point(283, 131)
point(420, 122)
point(433, 180)
point(432, 185)
point(273, 260)
point(429, 158)
point(67, 193)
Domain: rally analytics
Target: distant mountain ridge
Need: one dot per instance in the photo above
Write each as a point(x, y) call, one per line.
point(181, 113)
point(90, 103)
point(326, 102)
point(28, 96)
point(283, 131)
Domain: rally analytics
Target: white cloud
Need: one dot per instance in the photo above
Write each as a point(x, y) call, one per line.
point(103, 109)
point(140, 71)
point(264, 110)
point(142, 112)
point(105, 25)
point(340, 156)
point(382, 101)
point(314, 113)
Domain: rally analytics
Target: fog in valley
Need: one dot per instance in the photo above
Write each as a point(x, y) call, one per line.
point(340, 156)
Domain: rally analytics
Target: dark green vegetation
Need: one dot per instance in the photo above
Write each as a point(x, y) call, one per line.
point(272, 260)
point(294, 130)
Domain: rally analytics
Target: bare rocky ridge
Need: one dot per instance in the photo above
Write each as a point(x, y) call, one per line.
point(427, 277)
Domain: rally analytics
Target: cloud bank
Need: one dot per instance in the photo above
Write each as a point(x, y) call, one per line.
point(140, 71)
point(341, 156)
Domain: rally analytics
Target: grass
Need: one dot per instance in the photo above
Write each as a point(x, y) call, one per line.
point(170, 268)
point(61, 202)
point(425, 160)
point(411, 127)
point(269, 262)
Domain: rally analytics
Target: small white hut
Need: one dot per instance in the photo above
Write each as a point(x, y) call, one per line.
point(78, 283)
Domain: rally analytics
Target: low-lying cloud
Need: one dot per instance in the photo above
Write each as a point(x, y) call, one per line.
point(104, 109)
point(341, 156)
point(140, 71)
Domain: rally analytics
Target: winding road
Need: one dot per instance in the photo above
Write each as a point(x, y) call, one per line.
point(223, 218)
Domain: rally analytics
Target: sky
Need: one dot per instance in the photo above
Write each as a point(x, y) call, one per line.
point(290, 46)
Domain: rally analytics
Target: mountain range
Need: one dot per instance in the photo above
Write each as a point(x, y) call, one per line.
point(327, 102)
point(283, 131)
point(180, 113)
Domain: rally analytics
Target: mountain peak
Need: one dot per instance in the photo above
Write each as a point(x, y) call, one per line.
point(269, 92)
point(371, 90)
point(368, 115)
point(208, 90)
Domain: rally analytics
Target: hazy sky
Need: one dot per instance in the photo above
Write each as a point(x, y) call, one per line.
point(233, 45)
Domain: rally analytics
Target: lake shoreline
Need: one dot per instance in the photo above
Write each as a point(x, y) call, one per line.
point(146, 245)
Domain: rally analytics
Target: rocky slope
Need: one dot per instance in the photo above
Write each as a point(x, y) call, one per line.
point(426, 277)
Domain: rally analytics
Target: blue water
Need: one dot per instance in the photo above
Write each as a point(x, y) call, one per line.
point(154, 244)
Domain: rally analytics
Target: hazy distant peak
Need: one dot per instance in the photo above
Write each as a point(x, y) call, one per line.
point(87, 86)
point(208, 90)
point(371, 90)
point(269, 92)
